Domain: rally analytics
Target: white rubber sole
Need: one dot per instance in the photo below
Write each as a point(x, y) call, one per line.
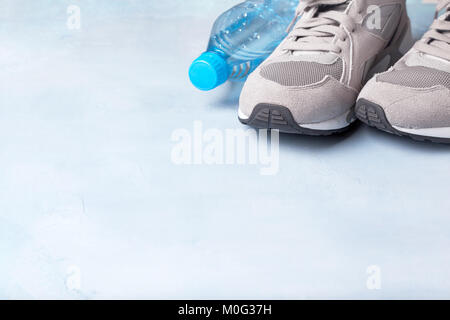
point(443, 133)
point(242, 115)
point(337, 123)
point(333, 124)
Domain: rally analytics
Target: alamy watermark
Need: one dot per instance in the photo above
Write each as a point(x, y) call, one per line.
point(73, 278)
point(73, 17)
point(374, 277)
point(200, 146)
point(374, 20)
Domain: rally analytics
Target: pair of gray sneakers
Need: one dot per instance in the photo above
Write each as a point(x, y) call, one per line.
point(331, 69)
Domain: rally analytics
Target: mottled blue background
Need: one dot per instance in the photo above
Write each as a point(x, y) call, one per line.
point(88, 190)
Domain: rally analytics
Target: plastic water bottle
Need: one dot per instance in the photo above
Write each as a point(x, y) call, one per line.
point(241, 39)
point(422, 15)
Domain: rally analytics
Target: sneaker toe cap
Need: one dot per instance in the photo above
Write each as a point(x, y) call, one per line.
point(408, 107)
point(315, 103)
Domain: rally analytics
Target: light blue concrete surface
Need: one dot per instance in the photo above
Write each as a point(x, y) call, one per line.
point(91, 205)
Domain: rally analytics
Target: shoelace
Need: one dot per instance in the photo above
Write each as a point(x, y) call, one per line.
point(319, 31)
point(436, 41)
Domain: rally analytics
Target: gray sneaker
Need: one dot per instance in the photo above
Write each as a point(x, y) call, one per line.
point(413, 97)
point(310, 84)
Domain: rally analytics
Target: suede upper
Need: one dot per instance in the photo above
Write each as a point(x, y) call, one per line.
point(410, 104)
point(318, 71)
point(415, 93)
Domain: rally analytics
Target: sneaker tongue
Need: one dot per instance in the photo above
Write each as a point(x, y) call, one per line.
point(341, 7)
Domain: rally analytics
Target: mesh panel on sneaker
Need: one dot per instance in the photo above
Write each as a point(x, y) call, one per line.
point(301, 73)
point(416, 77)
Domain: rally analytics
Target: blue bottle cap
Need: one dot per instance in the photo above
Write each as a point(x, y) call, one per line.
point(208, 71)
